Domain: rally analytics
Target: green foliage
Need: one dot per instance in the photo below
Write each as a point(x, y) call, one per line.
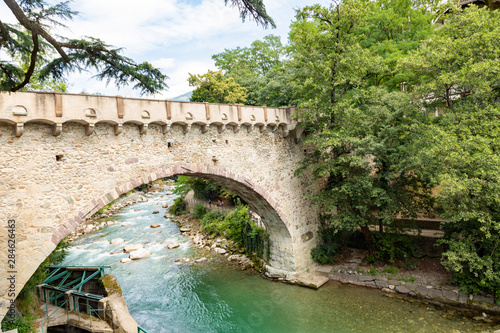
point(390, 270)
point(261, 69)
point(254, 9)
point(179, 207)
point(199, 211)
point(331, 242)
point(204, 189)
point(213, 223)
point(460, 60)
point(391, 246)
point(34, 41)
point(238, 227)
point(24, 324)
point(214, 87)
point(372, 271)
point(460, 148)
point(358, 136)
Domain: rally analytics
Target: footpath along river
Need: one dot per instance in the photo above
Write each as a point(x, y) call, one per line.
point(215, 296)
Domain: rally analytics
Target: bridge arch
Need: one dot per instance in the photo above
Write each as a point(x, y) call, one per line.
point(281, 251)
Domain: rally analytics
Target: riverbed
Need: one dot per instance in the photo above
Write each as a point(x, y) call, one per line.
point(215, 296)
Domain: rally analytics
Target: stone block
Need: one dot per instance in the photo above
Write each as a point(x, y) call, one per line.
point(450, 295)
point(434, 293)
point(402, 290)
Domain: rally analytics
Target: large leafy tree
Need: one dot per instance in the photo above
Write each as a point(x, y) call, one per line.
point(32, 40)
point(457, 72)
point(358, 135)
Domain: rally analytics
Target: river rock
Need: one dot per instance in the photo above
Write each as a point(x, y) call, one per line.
point(272, 272)
point(156, 212)
point(164, 205)
point(139, 254)
point(132, 247)
point(137, 210)
point(125, 260)
point(155, 225)
point(172, 245)
point(185, 229)
point(201, 260)
point(116, 241)
point(125, 224)
point(219, 250)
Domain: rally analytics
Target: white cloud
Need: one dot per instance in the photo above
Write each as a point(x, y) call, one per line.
point(178, 83)
point(163, 63)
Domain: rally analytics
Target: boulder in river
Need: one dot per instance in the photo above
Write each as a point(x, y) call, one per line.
point(132, 247)
point(156, 211)
point(172, 245)
point(139, 254)
point(116, 241)
point(164, 205)
point(201, 260)
point(124, 260)
point(155, 225)
point(219, 250)
point(185, 229)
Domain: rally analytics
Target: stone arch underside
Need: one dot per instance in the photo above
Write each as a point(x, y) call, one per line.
point(282, 250)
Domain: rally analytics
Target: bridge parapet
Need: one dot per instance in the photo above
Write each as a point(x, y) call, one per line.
point(56, 109)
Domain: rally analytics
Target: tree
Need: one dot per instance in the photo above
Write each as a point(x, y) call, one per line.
point(261, 69)
point(458, 71)
point(462, 59)
point(33, 40)
point(358, 136)
point(214, 87)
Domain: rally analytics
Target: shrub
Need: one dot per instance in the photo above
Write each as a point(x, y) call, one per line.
point(213, 223)
point(332, 241)
point(199, 211)
point(178, 207)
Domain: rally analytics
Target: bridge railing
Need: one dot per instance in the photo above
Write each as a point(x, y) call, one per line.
point(56, 109)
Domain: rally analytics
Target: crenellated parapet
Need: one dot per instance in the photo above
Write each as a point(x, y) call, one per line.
point(56, 109)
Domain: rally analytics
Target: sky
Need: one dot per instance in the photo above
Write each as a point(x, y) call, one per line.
point(177, 36)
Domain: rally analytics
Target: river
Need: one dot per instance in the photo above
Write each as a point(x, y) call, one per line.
point(214, 296)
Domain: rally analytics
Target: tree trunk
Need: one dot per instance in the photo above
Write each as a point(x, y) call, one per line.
point(368, 238)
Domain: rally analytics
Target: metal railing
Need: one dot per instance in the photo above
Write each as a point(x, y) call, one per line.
point(141, 330)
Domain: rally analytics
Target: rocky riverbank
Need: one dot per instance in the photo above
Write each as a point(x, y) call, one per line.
point(192, 229)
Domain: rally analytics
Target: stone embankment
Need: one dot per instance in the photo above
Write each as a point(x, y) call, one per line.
point(482, 308)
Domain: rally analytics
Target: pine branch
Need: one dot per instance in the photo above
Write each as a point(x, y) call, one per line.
point(34, 27)
point(255, 8)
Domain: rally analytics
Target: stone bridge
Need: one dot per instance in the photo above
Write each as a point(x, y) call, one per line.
point(65, 156)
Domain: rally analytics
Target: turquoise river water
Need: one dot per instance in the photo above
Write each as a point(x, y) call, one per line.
point(214, 296)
